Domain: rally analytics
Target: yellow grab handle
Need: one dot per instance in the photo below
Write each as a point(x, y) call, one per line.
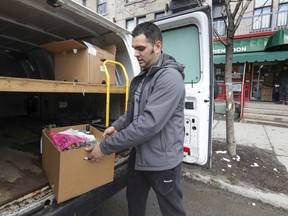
point(108, 87)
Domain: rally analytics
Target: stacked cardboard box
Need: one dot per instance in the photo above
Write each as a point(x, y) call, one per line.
point(266, 94)
point(79, 62)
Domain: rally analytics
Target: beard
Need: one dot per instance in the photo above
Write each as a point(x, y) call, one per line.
point(146, 65)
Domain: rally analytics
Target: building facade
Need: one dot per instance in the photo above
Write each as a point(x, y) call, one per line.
point(260, 54)
point(260, 59)
point(128, 13)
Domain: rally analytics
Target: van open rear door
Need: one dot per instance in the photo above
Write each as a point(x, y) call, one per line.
point(188, 37)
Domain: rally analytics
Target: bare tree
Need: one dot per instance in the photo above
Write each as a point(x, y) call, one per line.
point(235, 10)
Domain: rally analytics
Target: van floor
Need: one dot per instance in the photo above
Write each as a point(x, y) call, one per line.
point(20, 158)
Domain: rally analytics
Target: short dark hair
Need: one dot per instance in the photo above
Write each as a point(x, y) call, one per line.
point(150, 30)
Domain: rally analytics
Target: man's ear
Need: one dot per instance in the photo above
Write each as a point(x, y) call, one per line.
point(158, 46)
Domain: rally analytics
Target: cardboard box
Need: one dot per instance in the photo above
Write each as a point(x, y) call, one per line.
point(68, 174)
point(266, 94)
point(268, 80)
point(82, 62)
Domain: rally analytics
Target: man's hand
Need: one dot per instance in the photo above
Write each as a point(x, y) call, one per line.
point(95, 150)
point(110, 131)
point(95, 153)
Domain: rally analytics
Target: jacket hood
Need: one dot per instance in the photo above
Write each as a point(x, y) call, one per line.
point(167, 61)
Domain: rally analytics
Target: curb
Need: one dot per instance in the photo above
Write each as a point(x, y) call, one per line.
point(279, 200)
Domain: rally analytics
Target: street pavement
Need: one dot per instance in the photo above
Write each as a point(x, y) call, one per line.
point(203, 200)
point(255, 135)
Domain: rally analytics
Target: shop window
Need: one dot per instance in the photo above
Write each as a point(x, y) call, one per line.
point(102, 6)
point(220, 74)
point(257, 81)
point(262, 14)
point(283, 14)
point(237, 81)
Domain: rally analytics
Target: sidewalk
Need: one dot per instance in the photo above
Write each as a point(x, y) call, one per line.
point(254, 135)
point(259, 136)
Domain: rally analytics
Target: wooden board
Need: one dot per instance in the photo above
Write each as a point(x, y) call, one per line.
point(9, 84)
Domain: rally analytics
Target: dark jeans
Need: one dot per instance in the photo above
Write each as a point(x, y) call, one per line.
point(166, 185)
point(283, 90)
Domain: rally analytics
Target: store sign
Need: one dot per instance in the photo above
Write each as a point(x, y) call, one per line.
point(236, 50)
point(236, 87)
point(242, 45)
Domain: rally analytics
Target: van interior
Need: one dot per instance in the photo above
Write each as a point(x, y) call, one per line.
point(25, 109)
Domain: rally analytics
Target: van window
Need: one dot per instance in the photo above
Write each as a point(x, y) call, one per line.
point(186, 51)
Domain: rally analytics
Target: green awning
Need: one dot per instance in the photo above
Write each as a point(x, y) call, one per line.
point(255, 44)
point(253, 57)
point(278, 41)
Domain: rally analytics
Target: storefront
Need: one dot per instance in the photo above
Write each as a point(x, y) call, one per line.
point(259, 64)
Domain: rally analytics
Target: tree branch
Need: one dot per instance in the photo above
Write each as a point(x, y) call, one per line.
point(239, 18)
point(228, 9)
point(219, 37)
point(239, 3)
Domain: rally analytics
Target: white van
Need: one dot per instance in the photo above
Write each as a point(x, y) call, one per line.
point(32, 97)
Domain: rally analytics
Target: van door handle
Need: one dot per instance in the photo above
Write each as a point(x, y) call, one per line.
point(206, 101)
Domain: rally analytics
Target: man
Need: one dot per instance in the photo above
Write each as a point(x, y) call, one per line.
point(153, 127)
point(283, 88)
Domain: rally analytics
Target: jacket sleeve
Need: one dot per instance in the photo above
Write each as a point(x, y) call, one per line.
point(161, 104)
point(120, 123)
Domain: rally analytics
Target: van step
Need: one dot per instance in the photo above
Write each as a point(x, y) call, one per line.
point(23, 205)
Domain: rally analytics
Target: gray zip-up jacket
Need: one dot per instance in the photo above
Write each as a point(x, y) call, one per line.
point(158, 132)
